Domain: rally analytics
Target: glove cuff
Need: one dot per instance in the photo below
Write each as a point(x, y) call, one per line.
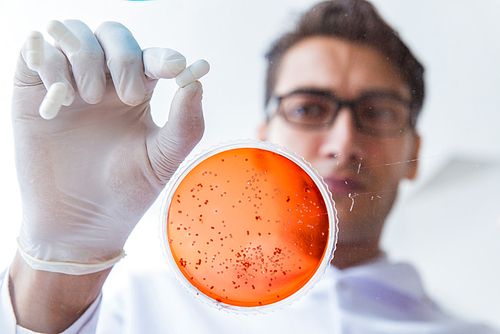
point(70, 268)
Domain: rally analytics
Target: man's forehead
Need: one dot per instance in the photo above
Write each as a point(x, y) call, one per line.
point(344, 68)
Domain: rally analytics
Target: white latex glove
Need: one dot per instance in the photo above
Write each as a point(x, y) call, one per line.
point(89, 175)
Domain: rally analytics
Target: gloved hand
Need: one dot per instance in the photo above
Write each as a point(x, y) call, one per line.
point(88, 175)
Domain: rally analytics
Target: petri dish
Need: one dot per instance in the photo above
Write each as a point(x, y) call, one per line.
point(248, 226)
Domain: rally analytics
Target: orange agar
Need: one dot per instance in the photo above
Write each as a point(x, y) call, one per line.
point(247, 227)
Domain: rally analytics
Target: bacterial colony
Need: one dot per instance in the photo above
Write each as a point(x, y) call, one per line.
point(247, 227)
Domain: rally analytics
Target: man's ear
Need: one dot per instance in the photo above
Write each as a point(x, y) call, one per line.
point(411, 173)
point(263, 131)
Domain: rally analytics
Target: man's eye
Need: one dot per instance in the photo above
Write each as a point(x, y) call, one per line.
point(308, 110)
point(382, 114)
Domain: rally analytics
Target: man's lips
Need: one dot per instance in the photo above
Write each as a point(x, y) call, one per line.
point(344, 186)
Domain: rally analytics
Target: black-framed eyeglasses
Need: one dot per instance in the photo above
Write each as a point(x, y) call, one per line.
point(379, 113)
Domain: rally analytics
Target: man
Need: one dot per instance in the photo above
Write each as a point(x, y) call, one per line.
point(362, 149)
point(343, 92)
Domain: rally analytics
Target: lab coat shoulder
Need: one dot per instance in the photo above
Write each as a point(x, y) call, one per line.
point(384, 297)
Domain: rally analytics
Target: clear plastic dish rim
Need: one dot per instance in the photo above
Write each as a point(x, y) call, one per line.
point(186, 167)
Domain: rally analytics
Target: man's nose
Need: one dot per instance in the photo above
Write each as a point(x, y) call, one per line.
point(341, 141)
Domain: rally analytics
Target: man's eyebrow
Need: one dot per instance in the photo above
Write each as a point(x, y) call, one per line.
point(314, 91)
point(364, 93)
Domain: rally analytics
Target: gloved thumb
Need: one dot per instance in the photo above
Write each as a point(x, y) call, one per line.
point(170, 145)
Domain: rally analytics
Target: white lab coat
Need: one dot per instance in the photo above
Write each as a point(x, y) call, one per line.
point(379, 297)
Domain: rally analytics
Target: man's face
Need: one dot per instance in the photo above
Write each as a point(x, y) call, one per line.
point(362, 171)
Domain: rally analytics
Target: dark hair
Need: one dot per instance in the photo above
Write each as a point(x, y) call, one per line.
point(355, 21)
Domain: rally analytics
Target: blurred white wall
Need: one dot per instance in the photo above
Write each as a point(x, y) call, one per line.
point(447, 223)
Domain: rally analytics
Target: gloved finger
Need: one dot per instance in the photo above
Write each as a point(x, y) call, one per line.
point(53, 69)
point(124, 60)
point(183, 130)
point(162, 63)
point(87, 63)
